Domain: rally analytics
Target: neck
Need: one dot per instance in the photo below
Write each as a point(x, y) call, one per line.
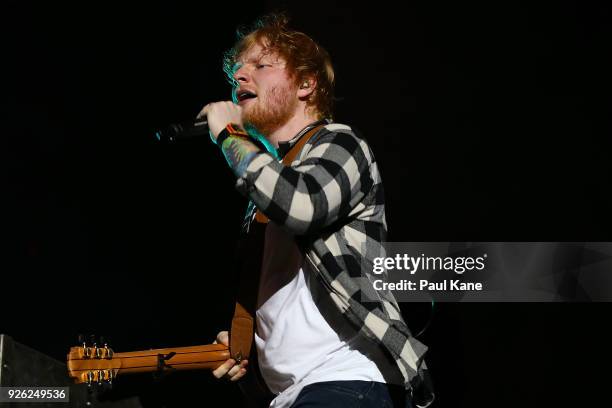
point(299, 121)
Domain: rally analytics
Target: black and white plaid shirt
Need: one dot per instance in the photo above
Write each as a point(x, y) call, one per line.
point(331, 198)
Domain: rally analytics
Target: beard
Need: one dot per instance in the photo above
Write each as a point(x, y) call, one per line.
point(272, 111)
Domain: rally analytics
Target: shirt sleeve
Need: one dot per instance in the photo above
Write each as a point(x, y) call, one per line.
point(332, 178)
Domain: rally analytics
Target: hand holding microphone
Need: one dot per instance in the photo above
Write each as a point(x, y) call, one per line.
point(219, 115)
point(211, 120)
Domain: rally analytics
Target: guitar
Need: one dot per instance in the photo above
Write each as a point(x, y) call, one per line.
point(93, 364)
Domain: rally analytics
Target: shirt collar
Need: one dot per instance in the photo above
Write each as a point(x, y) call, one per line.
point(284, 147)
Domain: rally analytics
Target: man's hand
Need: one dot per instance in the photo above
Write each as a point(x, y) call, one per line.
point(229, 369)
point(219, 115)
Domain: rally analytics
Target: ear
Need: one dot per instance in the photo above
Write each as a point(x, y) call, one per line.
point(306, 87)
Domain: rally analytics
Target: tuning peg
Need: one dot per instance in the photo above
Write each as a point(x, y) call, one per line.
point(94, 351)
point(83, 343)
point(108, 353)
point(107, 380)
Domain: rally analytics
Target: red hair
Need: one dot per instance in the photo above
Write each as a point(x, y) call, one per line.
point(304, 57)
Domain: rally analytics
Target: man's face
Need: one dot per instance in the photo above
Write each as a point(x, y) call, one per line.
point(264, 90)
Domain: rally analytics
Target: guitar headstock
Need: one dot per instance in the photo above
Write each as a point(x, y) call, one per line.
point(92, 363)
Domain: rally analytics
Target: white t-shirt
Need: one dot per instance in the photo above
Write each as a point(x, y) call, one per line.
point(296, 344)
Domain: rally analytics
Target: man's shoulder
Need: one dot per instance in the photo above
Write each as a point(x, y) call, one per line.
point(341, 130)
point(338, 127)
point(343, 138)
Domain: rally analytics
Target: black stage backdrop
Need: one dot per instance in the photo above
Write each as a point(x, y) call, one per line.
point(489, 121)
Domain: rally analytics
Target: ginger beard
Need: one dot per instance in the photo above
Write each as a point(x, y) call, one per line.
point(271, 110)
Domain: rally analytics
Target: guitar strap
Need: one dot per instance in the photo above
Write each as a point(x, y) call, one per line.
point(251, 250)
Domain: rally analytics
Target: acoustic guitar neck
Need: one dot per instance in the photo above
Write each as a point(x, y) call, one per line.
point(101, 364)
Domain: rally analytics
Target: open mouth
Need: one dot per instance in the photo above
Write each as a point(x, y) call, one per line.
point(244, 95)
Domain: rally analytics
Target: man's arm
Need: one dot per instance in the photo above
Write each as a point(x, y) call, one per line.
point(329, 182)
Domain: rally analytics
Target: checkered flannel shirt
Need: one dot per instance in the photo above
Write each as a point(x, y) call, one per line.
point(331, 198)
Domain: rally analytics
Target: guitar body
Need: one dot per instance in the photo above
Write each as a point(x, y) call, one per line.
point(254, 387)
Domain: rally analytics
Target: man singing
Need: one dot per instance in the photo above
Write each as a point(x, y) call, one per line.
point(320, 341)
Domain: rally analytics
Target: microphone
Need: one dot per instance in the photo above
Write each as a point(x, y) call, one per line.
point(183, 130)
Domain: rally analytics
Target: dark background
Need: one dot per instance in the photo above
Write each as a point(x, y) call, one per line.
point(489, 120)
